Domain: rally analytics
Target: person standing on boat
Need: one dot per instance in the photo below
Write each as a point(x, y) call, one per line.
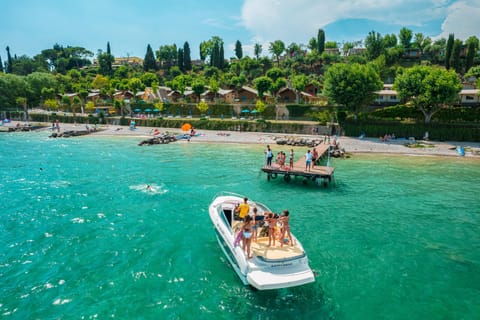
point(247, 230)
point(285, 219)
point(243, 209)
point(272, 223)
point(308, 161)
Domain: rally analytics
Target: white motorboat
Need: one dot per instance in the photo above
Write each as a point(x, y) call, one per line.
point(271, 267)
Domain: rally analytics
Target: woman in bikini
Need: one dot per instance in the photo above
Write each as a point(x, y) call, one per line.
point(272, 222)
point(247, 230)
point(285, 219)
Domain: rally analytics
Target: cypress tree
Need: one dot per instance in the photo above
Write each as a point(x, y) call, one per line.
point(1, 64)
point(214, 55)
point(321, 41)
point(180, 61)
point(455, 56)
point(110, 60)
point(149, 62)
point(221, 57)
point(9, 66)
point(448, 50)
point(471, 49)
point(187, 60)
point(238, 50)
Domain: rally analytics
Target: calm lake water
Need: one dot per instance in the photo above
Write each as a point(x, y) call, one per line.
point(393, 237)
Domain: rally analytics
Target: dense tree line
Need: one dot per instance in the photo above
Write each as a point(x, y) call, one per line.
point(368, 63)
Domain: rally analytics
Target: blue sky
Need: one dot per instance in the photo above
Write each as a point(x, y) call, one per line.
point(29, 26)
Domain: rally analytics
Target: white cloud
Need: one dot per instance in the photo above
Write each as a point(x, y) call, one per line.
point(462, 20)
point(299, 20)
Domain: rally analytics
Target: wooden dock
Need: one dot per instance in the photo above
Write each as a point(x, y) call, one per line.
point(317, 173)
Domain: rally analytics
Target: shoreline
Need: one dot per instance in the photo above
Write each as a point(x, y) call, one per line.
point(351, 145)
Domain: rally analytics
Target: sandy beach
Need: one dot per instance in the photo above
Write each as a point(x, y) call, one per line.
point(349, 144)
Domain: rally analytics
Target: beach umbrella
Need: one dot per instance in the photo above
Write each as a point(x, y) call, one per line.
point(148, 110)
point(186, 127)
point(137, 110)
point(245, 111)
point(156, 110)
point(254, 111)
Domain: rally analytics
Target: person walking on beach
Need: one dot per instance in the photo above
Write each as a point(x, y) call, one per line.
point(269, 155)
point(308, 161)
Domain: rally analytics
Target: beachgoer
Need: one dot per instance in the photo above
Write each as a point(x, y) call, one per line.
point(269, 154)
point(247, 230)
point(285, 219)
point(291, 159)
point(255, 224)
point(243, 209)
point(272, 223)
point(314, 156)
point(308, 160)
point(57, 123)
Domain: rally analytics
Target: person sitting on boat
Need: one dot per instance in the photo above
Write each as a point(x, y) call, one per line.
point(247, 230)
point(285, 219)
point(272, 223)
point(243, 209)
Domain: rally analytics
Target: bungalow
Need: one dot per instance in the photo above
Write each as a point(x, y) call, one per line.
point(470, 96)
point(287, 95)
point(311, 89)
point(246, 94)
point(223, 95)
point(387, 96)
point(122, 95)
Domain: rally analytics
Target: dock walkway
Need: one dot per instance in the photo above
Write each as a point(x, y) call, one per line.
point(324, 173)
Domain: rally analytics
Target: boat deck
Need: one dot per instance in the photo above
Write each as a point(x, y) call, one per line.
point(261, 248)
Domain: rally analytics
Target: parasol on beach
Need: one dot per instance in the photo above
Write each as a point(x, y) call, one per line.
point(245, 111)
point(186, 127)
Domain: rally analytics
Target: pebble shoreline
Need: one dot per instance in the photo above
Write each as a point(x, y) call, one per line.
point(351, 145)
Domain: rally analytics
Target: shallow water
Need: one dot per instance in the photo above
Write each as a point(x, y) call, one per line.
point(81, 237)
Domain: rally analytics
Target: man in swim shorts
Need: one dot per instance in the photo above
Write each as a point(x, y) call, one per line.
point(243, 209)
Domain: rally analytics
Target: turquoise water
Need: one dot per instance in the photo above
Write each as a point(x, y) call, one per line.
point(393, 238)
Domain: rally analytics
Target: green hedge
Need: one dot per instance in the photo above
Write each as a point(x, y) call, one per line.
point(436, 131)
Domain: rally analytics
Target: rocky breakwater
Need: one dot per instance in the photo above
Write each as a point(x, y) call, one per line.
point(161, 139)
point(298, 141)
point(69, 133)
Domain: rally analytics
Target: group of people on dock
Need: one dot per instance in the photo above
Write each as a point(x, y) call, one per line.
point(277, 226)
point(311, 157)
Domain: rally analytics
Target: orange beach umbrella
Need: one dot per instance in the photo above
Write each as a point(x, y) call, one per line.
point(186, 126)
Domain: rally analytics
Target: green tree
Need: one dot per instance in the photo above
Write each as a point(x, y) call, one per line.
point(167, 55)
point(455, 56)
point(390, 41)
point(76, 103)
point(421, 42)
point(37, 81)
point(320, 41)
point(277, 48)
point(180, 57)
point(9, 67)
point(187, 60)
point(260, 106)
point(149, 63)
point(238, 49)
point(405, 37)
point(275, 73)
point(374, 45)
point(198, 87)
point(472, 48)
point(22, 102)
point(1, 64)
point(257, 50)
point(135, 85)
point(448, 50)
point(428, 88)
point(149, 79)
point(299, 82)
point(262, 84)
point(277, 85)
point(11, 87)
point(352, 85)
point(202, 106)
point(51, 104)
